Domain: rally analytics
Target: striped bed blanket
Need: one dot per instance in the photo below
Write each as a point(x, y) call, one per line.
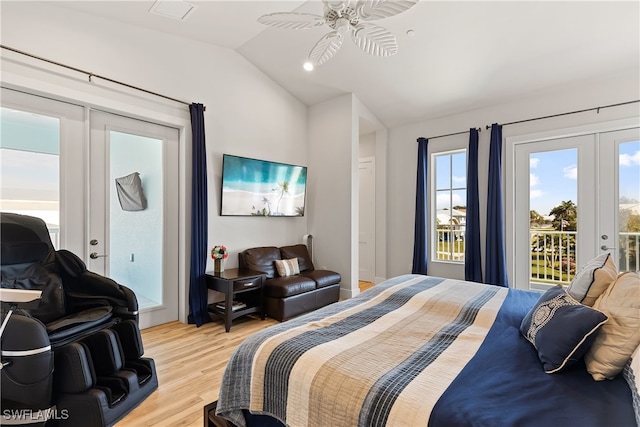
point(392, 356)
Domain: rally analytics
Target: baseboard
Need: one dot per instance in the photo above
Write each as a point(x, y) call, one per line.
point(346, 293)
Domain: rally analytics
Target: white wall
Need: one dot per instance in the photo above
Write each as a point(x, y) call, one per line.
point(367, 146)
point(403, 149)
point(333, 192)
point(247, 113)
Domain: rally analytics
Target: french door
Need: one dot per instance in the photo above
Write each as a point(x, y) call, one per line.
point(133, 230)
point(49, 170)
point(575, 198)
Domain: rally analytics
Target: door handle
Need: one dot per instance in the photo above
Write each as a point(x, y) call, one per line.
point(606, 248)
point(94, 255)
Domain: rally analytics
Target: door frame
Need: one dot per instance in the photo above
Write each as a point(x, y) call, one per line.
point(511, 174)
point(371, 161)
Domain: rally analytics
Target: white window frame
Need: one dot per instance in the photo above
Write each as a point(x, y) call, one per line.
point(433, 205)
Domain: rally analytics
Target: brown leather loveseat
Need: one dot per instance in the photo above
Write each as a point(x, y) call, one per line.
point(288, 296)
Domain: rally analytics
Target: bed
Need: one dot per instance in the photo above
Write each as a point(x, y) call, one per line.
point(415, 351)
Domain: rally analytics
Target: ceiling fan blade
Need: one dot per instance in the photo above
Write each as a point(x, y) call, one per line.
point(370, 10)
point(326, 47)
point(374, 40)
point(292, 21)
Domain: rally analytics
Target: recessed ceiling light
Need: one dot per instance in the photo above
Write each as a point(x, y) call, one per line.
point(308, 66)
point(174, 9)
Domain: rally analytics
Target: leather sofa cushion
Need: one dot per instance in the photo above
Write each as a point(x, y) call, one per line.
point(261, 259)
point(323, 277)
point(282, 287)
point(298, 251)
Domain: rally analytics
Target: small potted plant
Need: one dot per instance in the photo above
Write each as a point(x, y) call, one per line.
point(219, 254)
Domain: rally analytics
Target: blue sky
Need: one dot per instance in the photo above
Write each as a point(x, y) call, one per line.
point(553, 176)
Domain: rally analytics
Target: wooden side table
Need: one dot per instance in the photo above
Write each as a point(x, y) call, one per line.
point(241, 285)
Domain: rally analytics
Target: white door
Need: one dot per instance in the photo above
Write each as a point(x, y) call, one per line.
point(135, 242)
point(575, 198)
point(367, 227)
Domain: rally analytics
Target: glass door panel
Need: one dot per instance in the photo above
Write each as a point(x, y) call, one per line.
point(629, 205)
point(619, 228)
point(553, 215)
point(41, 164)
point(136, 237)
point(30, 165)
point(554, 197)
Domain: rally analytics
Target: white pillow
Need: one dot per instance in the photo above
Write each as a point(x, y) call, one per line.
point(620, 336)
point(287, 267)
point(593, 279)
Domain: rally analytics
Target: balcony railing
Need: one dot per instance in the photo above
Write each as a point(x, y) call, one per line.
point(628, 250)
point(450, 243)
point(553, 253)
point(553, 256)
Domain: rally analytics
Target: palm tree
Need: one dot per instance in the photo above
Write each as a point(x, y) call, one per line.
point(267, 203)
point(565, 216)
point(535, 217)
point(283, 188)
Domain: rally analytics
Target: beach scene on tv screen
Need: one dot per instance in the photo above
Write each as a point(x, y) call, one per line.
point(261, 188)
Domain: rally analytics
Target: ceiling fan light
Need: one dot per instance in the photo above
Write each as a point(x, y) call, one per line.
point(308, 66)
point(336, 5)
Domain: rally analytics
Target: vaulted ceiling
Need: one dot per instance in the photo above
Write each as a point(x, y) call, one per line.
point(453, 56)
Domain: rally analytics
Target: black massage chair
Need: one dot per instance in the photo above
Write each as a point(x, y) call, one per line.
point(70, 342)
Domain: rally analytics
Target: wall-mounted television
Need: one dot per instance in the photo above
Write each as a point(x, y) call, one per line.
point(252, 187)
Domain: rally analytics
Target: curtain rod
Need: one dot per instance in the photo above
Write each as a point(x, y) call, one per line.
point(546, 117)
point(450, 134)
point(91, 75)
point(569, 112)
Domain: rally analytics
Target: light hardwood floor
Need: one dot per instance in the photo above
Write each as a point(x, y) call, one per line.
point(190, 362)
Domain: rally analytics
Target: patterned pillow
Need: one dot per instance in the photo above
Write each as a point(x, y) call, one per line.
point(287, 267)
point(560, 328)
point(593, 279)
point(621, 335)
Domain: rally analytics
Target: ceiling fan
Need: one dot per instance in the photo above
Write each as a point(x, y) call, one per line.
point(345, 17)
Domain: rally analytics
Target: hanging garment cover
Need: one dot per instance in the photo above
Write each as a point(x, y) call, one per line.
point(130, 192)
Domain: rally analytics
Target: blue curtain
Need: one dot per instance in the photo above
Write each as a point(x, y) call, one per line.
point(472, 255)
point(420, 231)
point(496, 265)
point(198, 293)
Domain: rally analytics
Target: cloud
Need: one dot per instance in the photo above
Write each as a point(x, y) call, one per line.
point(533, 180)
point(536, 194)
point(533, 162)
point(630, 160)
point(459, 179)
point(442, 201)
point(570, 172)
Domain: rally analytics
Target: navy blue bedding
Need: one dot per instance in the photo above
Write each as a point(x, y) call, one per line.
point(505, 384)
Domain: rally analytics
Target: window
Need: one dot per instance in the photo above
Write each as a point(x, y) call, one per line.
point(449, 207)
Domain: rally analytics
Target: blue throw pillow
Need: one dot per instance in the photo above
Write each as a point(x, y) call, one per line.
point(561, 329)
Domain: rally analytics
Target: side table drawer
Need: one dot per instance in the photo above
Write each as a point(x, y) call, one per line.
point(251, 283)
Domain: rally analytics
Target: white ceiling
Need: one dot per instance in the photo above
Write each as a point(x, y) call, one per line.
point(463, 55)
